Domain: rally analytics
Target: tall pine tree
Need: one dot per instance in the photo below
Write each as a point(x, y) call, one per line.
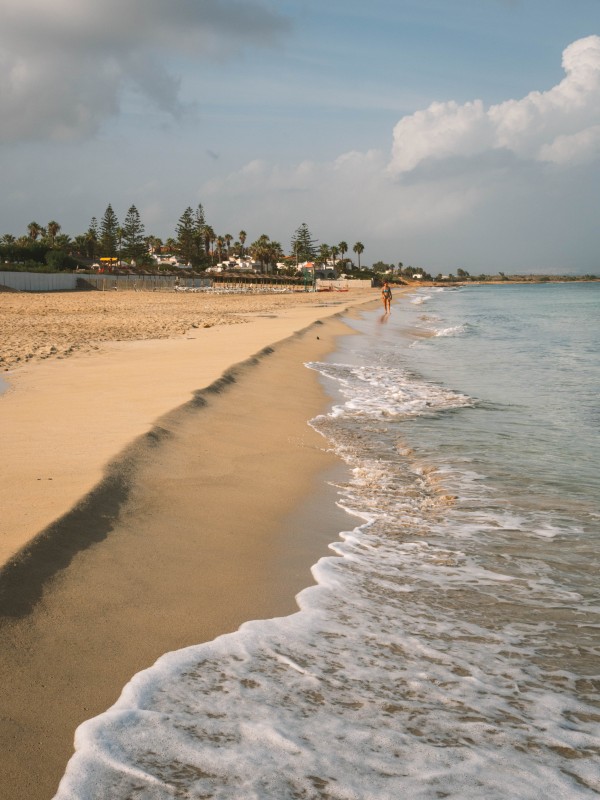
point(108, 233)
point(304, 247)
point(134, 246)
point(91, 238)
point(185, 231)
point(199, 229)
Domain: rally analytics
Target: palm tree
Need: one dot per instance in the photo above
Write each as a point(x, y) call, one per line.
point(80, 244)
point(8, 240)
point(343, 248)
point(324, 253)
point(261, 250)
point(63, 242)
point(228, 240)
point(334, 252)
point(53, 228)
point(242, 237)
point(91, 242)
point(275, 252)
point(34, 230)
point(153, 243)
point(220, 245)
point(209, 240)
point(358, 249)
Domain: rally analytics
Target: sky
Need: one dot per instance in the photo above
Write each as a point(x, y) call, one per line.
point(439, 133)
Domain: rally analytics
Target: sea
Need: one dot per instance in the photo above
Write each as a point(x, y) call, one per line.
point(450, 647)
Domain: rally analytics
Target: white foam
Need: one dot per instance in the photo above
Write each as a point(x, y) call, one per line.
point(380, 390)
point(454, 330)
point(416, 667)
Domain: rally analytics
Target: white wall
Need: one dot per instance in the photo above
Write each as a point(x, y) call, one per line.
point(39, 281)
point(343, 284)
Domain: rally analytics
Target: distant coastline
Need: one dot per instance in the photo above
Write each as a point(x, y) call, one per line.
point(512, 280)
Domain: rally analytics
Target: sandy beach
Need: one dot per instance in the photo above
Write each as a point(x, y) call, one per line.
point(160, 486)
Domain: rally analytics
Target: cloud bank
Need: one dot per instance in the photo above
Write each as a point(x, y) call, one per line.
point(560, 126)
point(64, 65)
point(513, 183)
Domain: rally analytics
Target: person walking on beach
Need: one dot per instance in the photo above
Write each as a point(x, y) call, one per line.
point(386, 296)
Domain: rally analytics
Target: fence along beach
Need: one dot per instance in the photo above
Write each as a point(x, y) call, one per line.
point(147, 492)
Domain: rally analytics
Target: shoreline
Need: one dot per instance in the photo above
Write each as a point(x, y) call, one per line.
point(188, 534)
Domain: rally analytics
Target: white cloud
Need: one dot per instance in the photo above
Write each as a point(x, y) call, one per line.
point(575, 148)
point(510, 186)
point(560, 125)
point(352, 193)
point(64, 65)
point(484, 188)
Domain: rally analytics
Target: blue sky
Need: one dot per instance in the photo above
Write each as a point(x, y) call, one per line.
point(412, 126)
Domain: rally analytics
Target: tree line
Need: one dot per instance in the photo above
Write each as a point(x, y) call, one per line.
point(195, 243)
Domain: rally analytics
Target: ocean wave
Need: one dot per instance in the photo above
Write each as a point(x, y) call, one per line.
point(395, 654)
point(453, 330)
point(436, 656)
point(383, 390)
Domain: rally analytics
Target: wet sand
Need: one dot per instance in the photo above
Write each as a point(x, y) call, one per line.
point(182, 503)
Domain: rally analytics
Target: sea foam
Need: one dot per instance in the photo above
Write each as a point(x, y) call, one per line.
point(444, 651)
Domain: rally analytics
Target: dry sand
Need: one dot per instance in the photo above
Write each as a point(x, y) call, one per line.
point(36, 327)
point(68, 414)
point(39, 326)
point(146, 511)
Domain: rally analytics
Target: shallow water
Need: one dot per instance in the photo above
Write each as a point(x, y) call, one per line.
point(451, 647)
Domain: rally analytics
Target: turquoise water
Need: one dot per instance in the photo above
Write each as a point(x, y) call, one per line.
point(451, 646)
point(530, 355)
